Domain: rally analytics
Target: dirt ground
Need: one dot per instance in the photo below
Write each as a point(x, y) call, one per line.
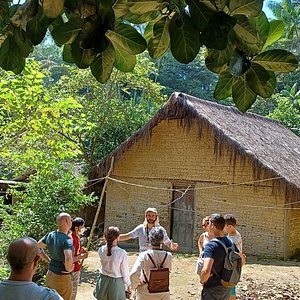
point(261, 278)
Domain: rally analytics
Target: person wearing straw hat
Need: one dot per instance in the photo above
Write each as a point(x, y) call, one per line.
point(142, 232)
point(23, 257)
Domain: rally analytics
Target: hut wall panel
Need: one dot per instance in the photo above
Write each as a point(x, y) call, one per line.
point(261, 227)
point(126, 204)
point(294, 229)
point(173, 155)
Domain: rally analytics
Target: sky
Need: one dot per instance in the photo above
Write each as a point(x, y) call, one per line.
point(266, 10)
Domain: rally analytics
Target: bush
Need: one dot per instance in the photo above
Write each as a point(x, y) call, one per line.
point(35, 212)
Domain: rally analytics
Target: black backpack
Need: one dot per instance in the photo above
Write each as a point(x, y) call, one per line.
point(159, 277)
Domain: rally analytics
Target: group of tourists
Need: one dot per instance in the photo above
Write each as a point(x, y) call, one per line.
point(147, 279)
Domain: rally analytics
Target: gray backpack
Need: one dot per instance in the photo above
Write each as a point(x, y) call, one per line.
point(232, 269)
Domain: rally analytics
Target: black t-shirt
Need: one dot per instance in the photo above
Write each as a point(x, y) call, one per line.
point(217, 252)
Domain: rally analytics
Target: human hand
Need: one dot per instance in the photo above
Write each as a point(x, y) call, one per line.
point(173, 246)
point(83, 250)
point(129, 292)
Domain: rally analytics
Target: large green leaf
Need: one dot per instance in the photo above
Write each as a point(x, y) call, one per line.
point(107, 14)
point(82, 57)
point(258, 77)
point(4, 8)
point(103, 64)
point(93, 35)
point(67, 32)
point(10, 56)
point(277, 60)
point(245, 31)
point(216, 33)
point(53, 8)
point(238, 63)
point(246, 7)
point(275, 32)
point(200, 13)
point(22, 41)
point(35, 30)
point(148, 32)
point(212, 4)
point(261, 24)
point(223, 88)
point(124, 62)
point(160, 41)
point(71, 5)
point(67, 54)
point(185, 40)
point(120, 8)
point(217, 61)
point(242, 94)
point(140, 7)
point(144, 18)
point(127, 38)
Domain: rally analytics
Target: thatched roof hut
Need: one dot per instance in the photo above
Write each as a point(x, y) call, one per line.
point(273, 149)
point(217, 146)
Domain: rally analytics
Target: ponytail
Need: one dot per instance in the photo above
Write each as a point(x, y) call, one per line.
point(111, 234)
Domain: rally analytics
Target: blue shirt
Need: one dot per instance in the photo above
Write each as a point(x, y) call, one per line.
point(217, 252)
point(19, 290)
point(57, 242)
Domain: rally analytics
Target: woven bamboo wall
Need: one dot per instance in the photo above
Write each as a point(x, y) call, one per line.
point(293, 230)
point(174, 155)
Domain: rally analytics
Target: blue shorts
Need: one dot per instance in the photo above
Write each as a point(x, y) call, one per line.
point(232, 291)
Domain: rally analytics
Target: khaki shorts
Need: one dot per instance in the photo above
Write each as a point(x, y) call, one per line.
point(61, 283)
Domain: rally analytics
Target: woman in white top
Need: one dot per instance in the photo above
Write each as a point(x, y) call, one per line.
point(140, 273)
point(204, 238)
point(114, 271)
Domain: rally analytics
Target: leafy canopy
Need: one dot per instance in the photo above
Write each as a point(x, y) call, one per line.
point(100, 35)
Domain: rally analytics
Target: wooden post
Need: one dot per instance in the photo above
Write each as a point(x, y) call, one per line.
point(99, 204)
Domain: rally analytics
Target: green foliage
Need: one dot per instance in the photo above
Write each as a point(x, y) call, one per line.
point(287, 113)
point(32, 122)
point(112, 112)
point(193, 78)
point(38, 204)
point(102, 35)
point(288, 11)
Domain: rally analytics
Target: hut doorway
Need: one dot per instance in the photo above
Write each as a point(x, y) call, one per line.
point(183, 217)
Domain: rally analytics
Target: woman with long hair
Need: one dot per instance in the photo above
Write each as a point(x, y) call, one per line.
point(114, 272)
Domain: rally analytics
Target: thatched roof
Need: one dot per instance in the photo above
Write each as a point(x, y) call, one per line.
point(273, 149)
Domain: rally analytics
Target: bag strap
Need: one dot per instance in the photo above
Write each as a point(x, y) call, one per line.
point(162, 264)
point(146, 279)
point(221, 243)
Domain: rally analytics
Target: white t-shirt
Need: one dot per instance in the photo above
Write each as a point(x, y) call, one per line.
point(142, 233)
point(143, 262)
point(19, 290)
point(116, 265)
point(237, 240)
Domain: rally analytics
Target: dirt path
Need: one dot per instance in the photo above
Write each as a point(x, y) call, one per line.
point(261, 279)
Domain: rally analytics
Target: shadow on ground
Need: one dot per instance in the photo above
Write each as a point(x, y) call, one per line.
point(89, 276)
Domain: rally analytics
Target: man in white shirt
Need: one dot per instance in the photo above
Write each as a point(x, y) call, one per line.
point(142, 232)
point(23, 257)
